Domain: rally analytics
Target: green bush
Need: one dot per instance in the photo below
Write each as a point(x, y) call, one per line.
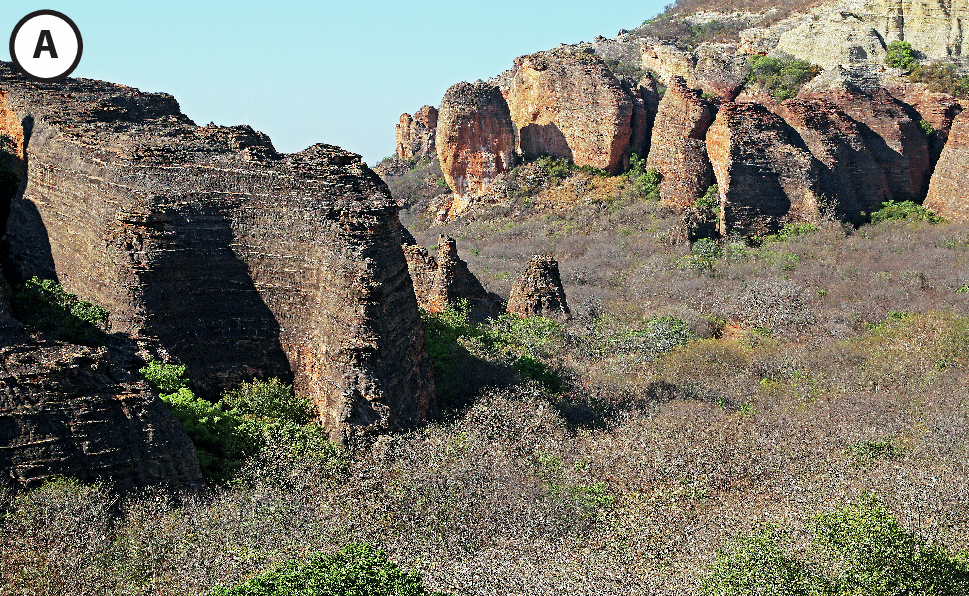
point(788, 231)
point(901, 55)
point(941, 78)
point(45, 304)
point(781, 78)
point(859, 549)
point(627, 69)
point(354, 570)
point(710, 201)
point(645, 182)
point(665, 333)
point(225, 433)
point(707, 248)
point(896, 210)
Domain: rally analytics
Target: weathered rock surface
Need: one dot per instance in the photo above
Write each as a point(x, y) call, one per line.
point(445, 280)
point(415, 134)
point(667, 61)
point(892, 135)
point(538, 291)
point(949, 189)
point(677, 149)
point(240, 262)
point(764, 178)
point(934, 28)
point(938, 109)
point(712, 68)
point(68, 410)
point(475, 140)
point(850, 177)
point(568, 104)
point(837, 37)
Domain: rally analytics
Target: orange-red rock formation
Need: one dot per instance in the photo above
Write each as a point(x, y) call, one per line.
point(677, 149)
point(538, 291)
point(475, 140)
point(568, 104)
point(443, 281)
point(415, 135)
point(764, 179)
point(949, 189)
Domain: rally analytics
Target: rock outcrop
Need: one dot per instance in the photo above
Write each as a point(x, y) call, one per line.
point(939, 110)
point(445, 280)
point(835, 38)
point(568, 104)
point(850, 178)
point(538, 291)
point(475, 140)
point(68, 410)
point(677, 149)
point(415, 134)
point(949, 189)
point(712, 68)
point(933, 28)
point(892, 135)
point(764, 178)
point(239, 261)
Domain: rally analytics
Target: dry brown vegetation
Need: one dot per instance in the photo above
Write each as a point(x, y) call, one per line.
point(822, 367)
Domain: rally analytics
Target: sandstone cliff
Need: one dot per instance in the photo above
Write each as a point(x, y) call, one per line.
point(445, 280)
point(238, 261)
point(568, 104)
point(949, 189)
point(475, 140)
point(677, 149)
point(415, 134)
point(763, 177)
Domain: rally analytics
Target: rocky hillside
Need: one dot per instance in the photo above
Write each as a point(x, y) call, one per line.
point(794, 113)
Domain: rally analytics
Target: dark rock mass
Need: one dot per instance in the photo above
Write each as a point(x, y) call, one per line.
point(444, 281)
point(238, 261)
point(538, 291)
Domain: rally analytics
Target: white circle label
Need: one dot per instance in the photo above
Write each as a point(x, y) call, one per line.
point(46, 46)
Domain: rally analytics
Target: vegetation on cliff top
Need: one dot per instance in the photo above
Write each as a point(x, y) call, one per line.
point(47, 306)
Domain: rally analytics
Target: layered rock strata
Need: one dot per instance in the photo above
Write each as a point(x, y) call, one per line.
point(444, 280)
point(568, 104)
point(949, 189)
point(764, 178)
point(933, 28)
point(677, 149)
point(240, 262)
point(475, 140)
point(415, 134)
point(538, 291)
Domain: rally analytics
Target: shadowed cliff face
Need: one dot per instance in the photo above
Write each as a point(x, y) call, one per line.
point(238, 261)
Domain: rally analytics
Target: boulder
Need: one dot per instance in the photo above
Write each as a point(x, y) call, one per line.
point(475, 140)
point(538, 291)
point(568, 104)
point(238, 261)
point(763, 177)
point(833, 39)
point(949, 189)
point(415, 135)
point(677, 149)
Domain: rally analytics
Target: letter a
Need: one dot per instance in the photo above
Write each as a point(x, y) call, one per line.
point(47, 46)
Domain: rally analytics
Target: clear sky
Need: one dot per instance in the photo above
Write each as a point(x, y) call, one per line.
point(309, 72)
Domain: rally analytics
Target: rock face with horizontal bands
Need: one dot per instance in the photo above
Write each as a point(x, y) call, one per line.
point(949, 189)
point(238, 261)
point(939, 110)
point(568, 104)
point(677, 149)
point(764, 178)
point(444, 281)
point(892, 135)
point(538, 291)
point(934, 28)
point(415, 134)
point(475, 140)
point(849, 177)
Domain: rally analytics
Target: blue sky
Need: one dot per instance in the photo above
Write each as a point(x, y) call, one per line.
point(332, 72)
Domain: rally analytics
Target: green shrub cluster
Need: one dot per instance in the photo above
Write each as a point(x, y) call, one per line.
point(354, 570)
point(455, 344)
point(940, 77)
point(225, 433)
point(788, 231)
point(901, 55)
point(45, 304)
point(558, 169)
point(645, 181)
point(710, 201)
point(629, 70)
point(858, 549)
point(896, 210)
point(781, 78)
